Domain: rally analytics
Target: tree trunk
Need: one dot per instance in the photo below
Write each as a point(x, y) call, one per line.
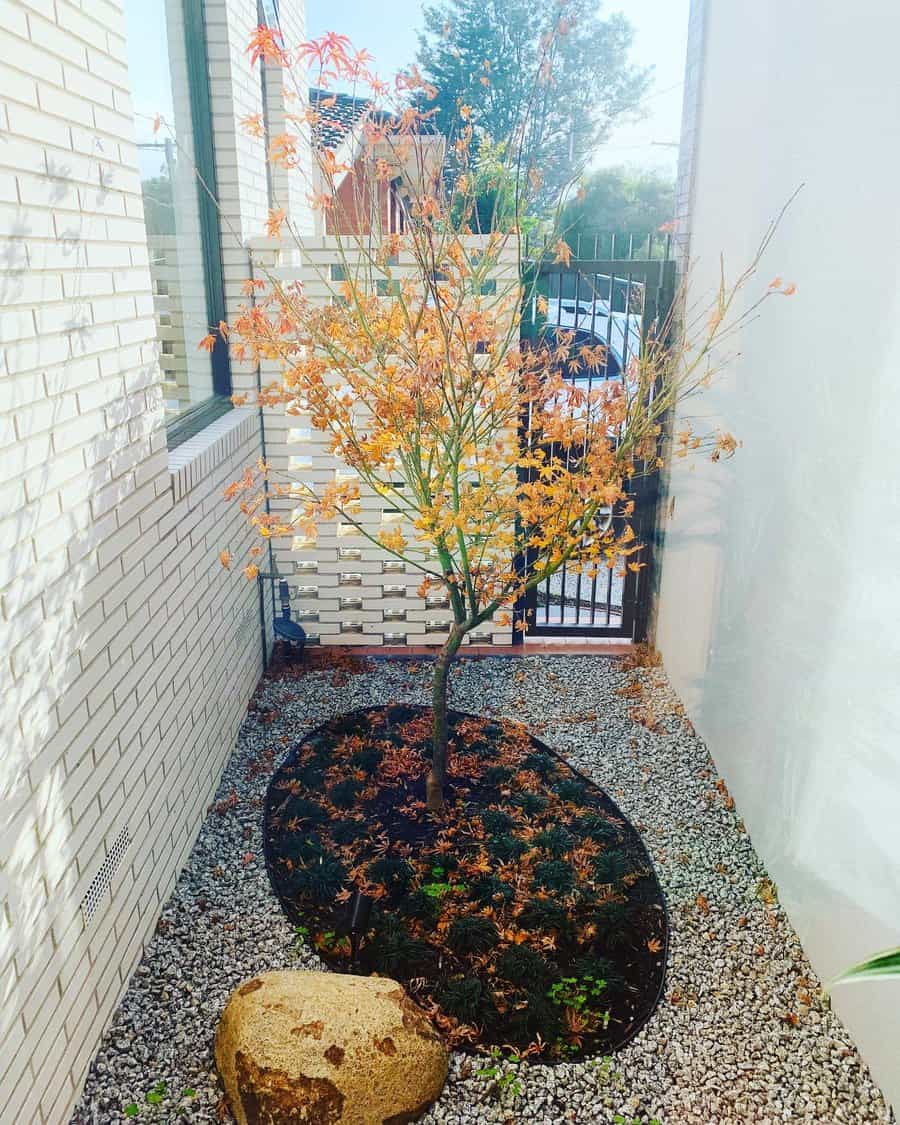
point(437, 776)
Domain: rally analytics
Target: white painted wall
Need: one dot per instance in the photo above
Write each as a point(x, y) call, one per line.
point(780, 595)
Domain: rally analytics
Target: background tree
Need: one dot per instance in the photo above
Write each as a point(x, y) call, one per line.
point(484, 446)
point(624, 201)
point(480, 53)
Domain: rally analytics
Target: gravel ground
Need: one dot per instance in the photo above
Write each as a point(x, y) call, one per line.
point(740, 1037)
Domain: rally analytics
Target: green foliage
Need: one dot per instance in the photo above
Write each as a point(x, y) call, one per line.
point(392, 873)
point(883, 966)
point(308, 812)
point(438, 890)
point(620, 201)
point(492, 189)
point(464, 999)
point(530, 803)
point(506, 848)
point(497, 775)
point(507, 1080)
point(157, 1093)
point(540, 763)
point(489, 889)
point(571, 790)
point(598, 968)
point(472, 934)
point(131, 1110)
point(523, 966)
point(597, 828)
point(348, 831)
point(554, 875)
point(593, 84)
point(557, 841)
point(343, 794)
point(395, 951)
point(546, 915)
point(496, 822)
point(581, 994)
point(320, 880)
point(612, 923)
point(422, 904)
point(610, 866)
point(368, 759)
point(306, 849)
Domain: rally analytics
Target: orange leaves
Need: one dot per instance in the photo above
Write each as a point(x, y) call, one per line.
point(725, 446)
point(776, 285)
point(393, 539)
point(265, 43)
point(207, 343)
point(251, 572)
point(330, 50)
point(274, 223)
point(225, 559)
point(563, 253)
point(253, 125)
point(283, 151)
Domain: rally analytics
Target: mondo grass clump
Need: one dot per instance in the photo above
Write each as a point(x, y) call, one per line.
point(527, 916)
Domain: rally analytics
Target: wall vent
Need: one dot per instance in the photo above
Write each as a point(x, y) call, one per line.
point(100, 884)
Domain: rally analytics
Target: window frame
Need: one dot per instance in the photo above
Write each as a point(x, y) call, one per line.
point(192, 421)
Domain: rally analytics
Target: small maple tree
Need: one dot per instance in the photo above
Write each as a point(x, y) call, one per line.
point(487, 447)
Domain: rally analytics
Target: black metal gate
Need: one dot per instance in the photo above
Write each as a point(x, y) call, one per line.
point(615, 301)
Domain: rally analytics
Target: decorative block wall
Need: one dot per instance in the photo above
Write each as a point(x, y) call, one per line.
point(128, 653)
point(345, 589)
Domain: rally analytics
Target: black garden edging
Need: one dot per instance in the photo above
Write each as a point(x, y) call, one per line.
point(535, 880)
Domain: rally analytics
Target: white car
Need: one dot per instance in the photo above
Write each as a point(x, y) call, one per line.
point(590, 315)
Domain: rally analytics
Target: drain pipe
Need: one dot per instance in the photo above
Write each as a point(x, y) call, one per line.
point(262, 445)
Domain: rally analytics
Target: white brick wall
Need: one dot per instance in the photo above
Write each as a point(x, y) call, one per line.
point(128, 653)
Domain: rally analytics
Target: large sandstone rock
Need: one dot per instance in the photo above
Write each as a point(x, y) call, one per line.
point(324, 1048)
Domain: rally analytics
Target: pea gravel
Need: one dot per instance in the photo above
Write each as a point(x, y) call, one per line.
point(741, 1035)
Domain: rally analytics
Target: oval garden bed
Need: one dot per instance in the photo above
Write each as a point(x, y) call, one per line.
point(528, 917)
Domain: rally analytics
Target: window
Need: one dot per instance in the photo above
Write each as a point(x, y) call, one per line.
point(170, 92)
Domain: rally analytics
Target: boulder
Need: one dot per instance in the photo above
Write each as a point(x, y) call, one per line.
point(327, 1049)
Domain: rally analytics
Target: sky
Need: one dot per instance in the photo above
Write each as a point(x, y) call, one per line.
point(660, 41)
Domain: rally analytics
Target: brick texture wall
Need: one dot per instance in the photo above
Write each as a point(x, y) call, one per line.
point(128, 653)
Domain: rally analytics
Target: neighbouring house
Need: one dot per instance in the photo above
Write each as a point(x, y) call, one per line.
point(341, 127)
point(779, 593)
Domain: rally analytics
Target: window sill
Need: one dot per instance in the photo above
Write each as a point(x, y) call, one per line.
point(191, 422)
point(198, 456)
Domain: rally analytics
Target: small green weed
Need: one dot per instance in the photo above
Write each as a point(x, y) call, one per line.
point(578, 993)
point(509, 1086)
point(156, 1095)
point(154, 1098)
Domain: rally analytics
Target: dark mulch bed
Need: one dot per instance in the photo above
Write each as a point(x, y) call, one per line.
point(528, 917)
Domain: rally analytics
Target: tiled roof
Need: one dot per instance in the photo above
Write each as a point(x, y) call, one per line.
point(336, 120)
